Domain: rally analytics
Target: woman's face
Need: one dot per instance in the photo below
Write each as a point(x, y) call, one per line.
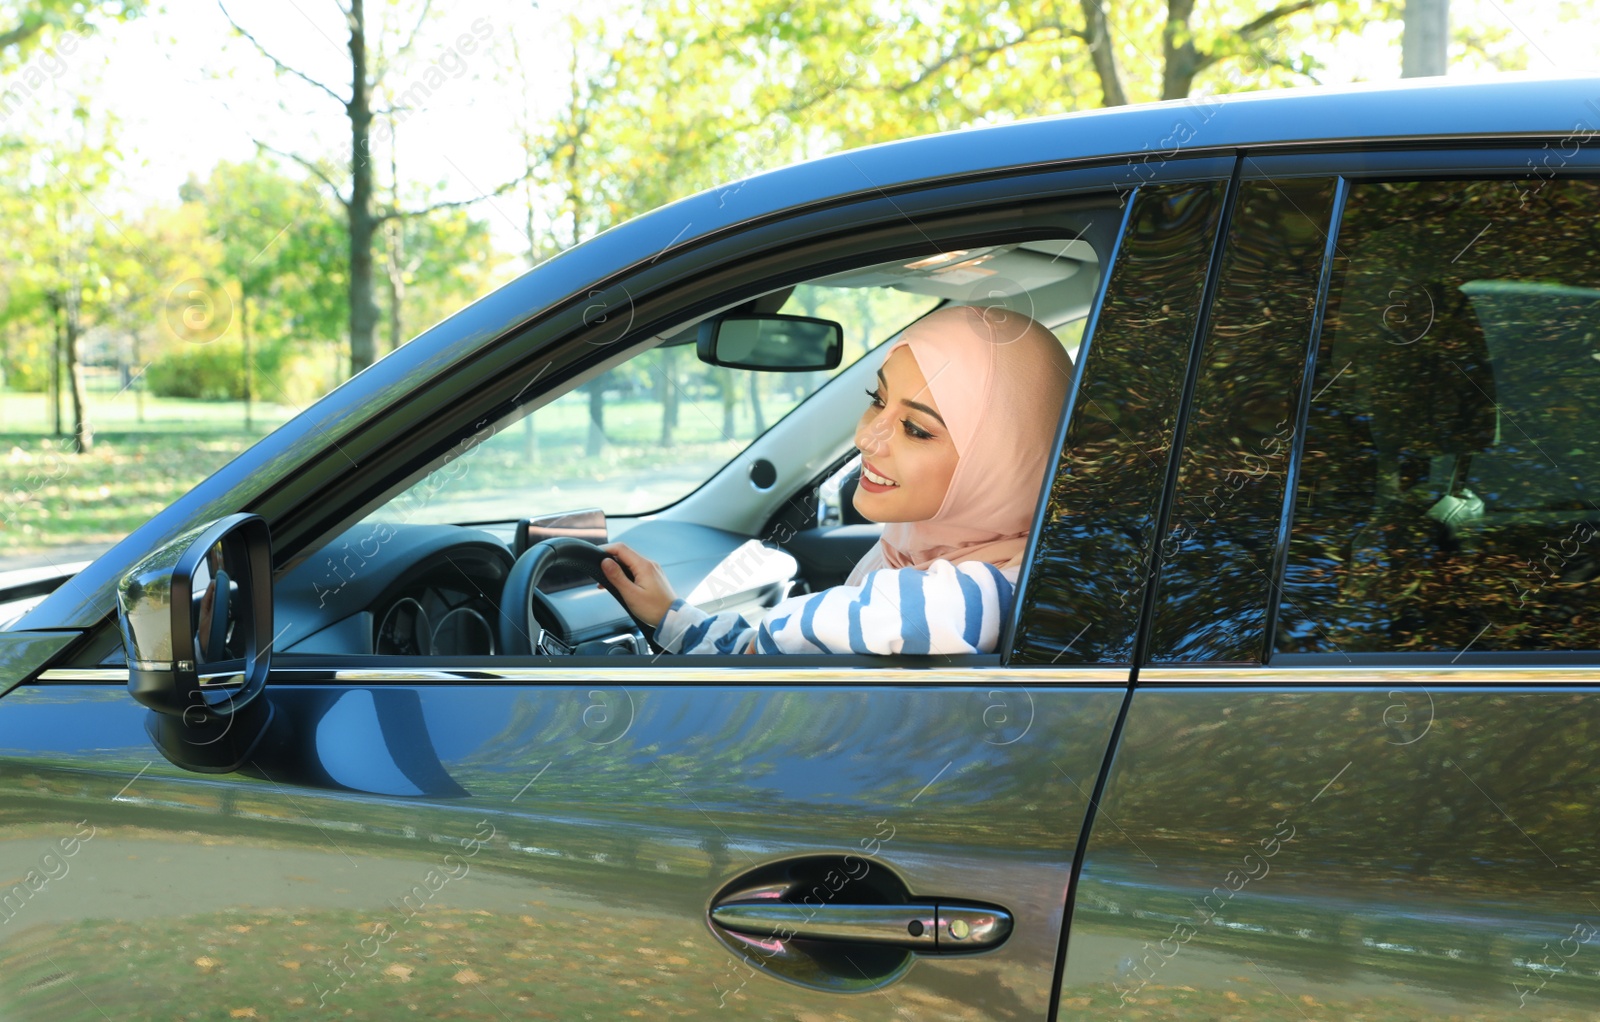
point(907, 456)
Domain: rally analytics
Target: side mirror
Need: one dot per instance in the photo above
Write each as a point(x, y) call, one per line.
point(771, 343)
point(196, 618)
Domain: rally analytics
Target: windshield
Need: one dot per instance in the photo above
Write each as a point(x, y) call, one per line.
point(648, 432)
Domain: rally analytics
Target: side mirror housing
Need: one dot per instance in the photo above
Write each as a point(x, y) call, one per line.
point(196, 617)
point(770, 342)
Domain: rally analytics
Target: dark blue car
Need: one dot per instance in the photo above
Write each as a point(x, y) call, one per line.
point(1297, 716)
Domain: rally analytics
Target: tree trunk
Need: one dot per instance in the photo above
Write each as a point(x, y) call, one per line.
point(730, 398)
point(394, 271)
point(667, 394)
point(249, 362)
point(138, 390)
point(1102, 50)
point(363, 313)
point(394, 255)
point(58, 321)
point(760, 417)
point(1425, 43)
point(1181, 60)
point(82, 431)
point(597, 417)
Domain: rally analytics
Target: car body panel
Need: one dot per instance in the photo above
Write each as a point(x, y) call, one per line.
point(574, 833)
point(1312, 836)
point(1412, 844)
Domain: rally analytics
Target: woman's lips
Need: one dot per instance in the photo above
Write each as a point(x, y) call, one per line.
point(870, 479)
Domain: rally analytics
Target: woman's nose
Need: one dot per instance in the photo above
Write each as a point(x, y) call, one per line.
point(873, 435)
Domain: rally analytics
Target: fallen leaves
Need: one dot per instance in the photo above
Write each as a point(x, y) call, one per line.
point(400, 972)
point(207, 964)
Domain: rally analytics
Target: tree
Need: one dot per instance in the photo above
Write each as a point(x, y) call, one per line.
point(814, 77)
point(433, 261)
point(23, 28)
point(369, 64)
point(1426, 43)
point(277, 242)
point(68, 258)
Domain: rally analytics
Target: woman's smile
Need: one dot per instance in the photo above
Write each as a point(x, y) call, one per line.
point(875, 481)
point(907, 455)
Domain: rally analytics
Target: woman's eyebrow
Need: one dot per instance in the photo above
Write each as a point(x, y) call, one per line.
point(918, 405)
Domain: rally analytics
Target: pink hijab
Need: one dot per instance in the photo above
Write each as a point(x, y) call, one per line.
point(999, 380)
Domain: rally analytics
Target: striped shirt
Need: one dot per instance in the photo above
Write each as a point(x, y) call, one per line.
point(946, 609)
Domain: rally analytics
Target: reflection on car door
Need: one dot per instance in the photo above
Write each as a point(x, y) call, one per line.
point(601, 818)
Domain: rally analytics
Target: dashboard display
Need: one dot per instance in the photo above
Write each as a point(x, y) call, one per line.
point(405, 630)
point(463, 632)
point(436, 621)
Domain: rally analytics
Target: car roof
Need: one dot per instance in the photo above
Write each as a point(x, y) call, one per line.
point(1508, 106)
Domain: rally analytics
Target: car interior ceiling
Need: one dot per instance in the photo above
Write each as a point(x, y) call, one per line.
point(1055, 281)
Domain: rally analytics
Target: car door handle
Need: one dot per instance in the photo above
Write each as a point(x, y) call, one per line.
point(926, 927)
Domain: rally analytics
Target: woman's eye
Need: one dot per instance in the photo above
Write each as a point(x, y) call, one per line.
point(877, 400)
point(913, 430)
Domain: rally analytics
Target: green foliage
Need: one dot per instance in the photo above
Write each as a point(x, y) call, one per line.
point(281, 244)
point(26, 362)
point(25, 27)
point(210, 372)
point(217, 371)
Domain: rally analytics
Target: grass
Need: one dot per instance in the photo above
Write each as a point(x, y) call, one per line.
point(52, 498)
point(149, 451)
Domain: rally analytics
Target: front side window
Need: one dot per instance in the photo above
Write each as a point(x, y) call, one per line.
point(1449, 495)
point(445, 567)
point(646, 433)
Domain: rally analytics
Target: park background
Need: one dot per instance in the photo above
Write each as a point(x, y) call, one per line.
point(211, 213)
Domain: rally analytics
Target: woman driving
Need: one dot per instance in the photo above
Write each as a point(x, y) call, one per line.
point(954, 444)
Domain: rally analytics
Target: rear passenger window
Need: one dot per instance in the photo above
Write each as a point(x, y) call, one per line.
point(1447, 497)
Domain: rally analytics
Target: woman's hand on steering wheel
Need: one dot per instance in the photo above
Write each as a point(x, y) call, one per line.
point(648, 594)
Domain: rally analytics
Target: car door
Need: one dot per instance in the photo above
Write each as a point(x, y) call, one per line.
point(539, 837)
point(1357, 774)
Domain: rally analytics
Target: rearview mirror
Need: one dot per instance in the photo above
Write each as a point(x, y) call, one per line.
point(196, 617)
point(771, 343)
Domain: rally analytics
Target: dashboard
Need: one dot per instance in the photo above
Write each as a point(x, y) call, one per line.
point(399, 589)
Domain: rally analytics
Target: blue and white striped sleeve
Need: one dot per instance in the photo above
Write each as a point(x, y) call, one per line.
point(945, 609)
point(686, 628)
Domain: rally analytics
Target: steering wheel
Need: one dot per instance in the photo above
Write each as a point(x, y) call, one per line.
point(520, 632)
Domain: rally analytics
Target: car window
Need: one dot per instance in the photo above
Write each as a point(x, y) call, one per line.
point(1447, 499)
point(648, 432)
